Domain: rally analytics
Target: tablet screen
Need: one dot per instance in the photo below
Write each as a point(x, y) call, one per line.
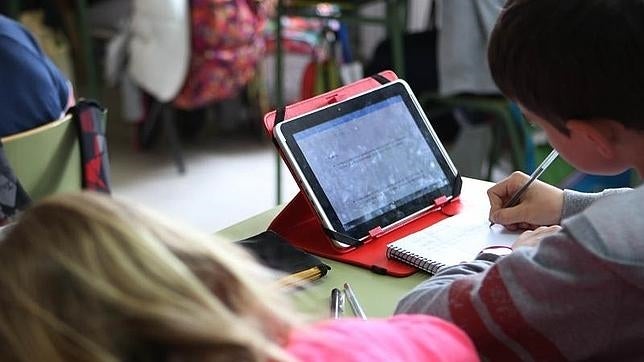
point(370, 161)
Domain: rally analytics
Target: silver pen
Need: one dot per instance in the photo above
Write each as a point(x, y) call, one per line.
point(353, 301)
point(337, 303)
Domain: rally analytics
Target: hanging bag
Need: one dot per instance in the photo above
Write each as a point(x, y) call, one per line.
point(89, 118)
point(227, 43)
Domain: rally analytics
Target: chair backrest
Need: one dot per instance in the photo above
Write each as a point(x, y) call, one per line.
point(46, 159)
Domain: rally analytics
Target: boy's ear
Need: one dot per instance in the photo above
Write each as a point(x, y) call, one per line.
point(600, 134)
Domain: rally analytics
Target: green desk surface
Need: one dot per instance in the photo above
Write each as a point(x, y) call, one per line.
point(378, 294)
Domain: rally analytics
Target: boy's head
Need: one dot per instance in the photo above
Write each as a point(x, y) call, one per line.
point(572, 59)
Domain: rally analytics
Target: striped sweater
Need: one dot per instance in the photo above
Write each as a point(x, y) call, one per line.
point(579, 295)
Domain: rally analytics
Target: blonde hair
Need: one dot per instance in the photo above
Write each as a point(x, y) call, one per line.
point(87, 278)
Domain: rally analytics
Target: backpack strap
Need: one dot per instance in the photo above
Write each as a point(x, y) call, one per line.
point(13, 197)
point(280, 113)
point(380, 78)
point(89, 117)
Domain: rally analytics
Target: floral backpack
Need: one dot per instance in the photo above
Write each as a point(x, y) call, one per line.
point(227, 44)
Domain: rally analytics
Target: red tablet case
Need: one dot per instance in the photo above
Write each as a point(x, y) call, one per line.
point(299, 223)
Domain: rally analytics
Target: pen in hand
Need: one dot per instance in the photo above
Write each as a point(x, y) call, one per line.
point(514, 200)
point(353, 301)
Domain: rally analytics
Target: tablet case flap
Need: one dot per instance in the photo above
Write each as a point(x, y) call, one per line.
point(299, 224)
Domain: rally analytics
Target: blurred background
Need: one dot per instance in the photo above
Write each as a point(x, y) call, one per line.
point(186, 84)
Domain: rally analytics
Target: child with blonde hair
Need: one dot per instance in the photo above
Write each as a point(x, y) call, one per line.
point(88, 278)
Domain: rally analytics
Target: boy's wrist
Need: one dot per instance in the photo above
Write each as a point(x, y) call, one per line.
point(493, 253)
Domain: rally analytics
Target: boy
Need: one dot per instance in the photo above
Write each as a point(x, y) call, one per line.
point(573, 290)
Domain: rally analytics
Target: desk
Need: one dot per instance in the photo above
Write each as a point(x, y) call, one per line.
point(378, 294)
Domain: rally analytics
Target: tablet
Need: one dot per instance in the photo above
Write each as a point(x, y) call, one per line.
point(368, 162)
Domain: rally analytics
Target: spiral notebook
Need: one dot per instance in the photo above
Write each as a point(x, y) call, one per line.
point(451, 241)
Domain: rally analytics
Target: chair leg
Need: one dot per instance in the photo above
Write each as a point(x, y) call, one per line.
point(170, 130)
point(163, 112)
point(147, 130)
point(13, 8)
point(87, 48)
point(495, 149)
point(396, 10)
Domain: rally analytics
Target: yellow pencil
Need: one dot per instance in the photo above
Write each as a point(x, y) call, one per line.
point(301, 277)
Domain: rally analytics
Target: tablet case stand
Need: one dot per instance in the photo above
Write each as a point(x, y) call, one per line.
point(299, 224)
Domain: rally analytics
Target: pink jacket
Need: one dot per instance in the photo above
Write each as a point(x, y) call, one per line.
point(400, 338)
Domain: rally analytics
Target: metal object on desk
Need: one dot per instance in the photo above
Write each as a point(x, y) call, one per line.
point(337, 303)
point(353, 301)
point(378, 293)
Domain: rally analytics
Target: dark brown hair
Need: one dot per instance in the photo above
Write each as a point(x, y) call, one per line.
point(572, 59)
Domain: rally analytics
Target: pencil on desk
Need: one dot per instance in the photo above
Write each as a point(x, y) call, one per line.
point(301, 277)
point(353, 301)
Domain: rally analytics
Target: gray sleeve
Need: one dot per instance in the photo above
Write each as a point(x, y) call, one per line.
point(429, 297)
point(576, 202)
point(548, 292)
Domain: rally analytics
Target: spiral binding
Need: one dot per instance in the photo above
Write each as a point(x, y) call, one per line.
point(414, 259)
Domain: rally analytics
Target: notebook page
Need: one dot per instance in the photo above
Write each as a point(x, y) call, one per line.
point(457, 238)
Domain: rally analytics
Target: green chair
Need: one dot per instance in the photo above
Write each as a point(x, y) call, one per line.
point(46, 159)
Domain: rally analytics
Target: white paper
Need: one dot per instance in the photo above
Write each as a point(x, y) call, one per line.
point(458, 238)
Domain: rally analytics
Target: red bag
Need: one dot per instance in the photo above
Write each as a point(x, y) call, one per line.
point(227, 43)
point(320, 77)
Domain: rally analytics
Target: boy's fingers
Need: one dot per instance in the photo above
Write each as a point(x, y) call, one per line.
point(510, 215)
point(547, 229)
point(499, 194)
point(513, 227)
point(505, 189)
point(527, 226)
point(496, 204)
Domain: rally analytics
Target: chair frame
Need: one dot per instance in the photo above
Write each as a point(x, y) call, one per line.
point(44, 168)
point(39, 129)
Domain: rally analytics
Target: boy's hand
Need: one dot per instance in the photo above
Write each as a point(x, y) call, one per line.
point(534, 237)
point(540, 205)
